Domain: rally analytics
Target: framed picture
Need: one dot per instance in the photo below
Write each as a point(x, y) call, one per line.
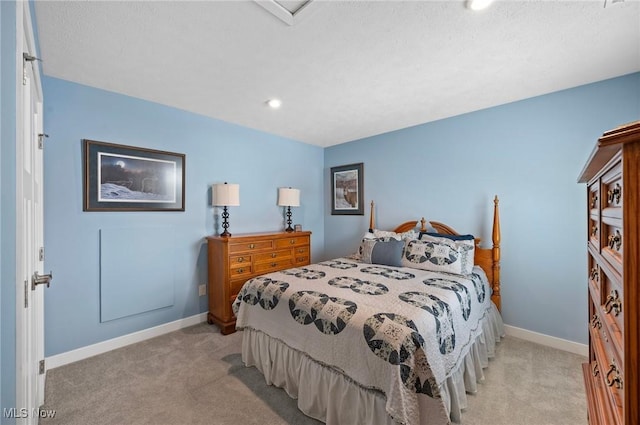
point(347, 190)
point(128, 178)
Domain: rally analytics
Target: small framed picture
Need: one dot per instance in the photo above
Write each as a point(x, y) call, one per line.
point(347, 189)
point(297, 227)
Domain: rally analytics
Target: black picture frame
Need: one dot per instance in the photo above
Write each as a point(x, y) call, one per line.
point(347, 189)
point(130, 178)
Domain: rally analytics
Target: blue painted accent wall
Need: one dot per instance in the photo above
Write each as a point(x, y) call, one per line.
point(7, 207)
point(215, 151)
point(529, 153)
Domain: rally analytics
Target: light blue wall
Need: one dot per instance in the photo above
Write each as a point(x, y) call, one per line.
point(530, 154)
point(215, 152)
point(7, 207)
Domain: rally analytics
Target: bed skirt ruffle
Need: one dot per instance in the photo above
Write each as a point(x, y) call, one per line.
point(331, 397)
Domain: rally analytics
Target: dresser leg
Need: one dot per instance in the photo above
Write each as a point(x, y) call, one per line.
point(226, 328)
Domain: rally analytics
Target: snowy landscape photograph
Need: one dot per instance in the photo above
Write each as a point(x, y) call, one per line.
point(119, 177)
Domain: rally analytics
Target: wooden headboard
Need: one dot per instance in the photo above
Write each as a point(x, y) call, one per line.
point(487, 258)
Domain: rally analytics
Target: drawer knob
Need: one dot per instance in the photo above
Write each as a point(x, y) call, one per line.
point(595, 370)
point(595, 322)
point(292, 241)
point(273, 255)
point(594, 200)
point(274, 264)
point(614, 194)
point(240, 259)
point(594, 231)
point(615, 241)
point(594, 274)
point(240, 270)
point(616, 380)
point(251, 246)
point(301, 250)
point(613, 303)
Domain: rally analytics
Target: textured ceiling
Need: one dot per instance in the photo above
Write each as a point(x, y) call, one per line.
point(343, 69)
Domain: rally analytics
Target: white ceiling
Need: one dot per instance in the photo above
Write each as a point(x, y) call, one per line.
point(343, 69)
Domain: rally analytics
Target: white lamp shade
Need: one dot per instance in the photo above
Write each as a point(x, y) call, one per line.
point(226, 195)
point(288, 197)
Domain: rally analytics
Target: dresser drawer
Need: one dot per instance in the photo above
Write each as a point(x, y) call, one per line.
point(612, 300)
point(594, 232)
point(273, 265)
point(612, 192)
point(251, 246)
point(612, 242)
point(596, 327)
point(593, 200)
point(594, 274)
point(239, 269)
point(273, 256)
point(239, 260)
point(608, 370)
point(292, 241)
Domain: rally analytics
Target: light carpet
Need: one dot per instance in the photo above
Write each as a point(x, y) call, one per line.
point(196, 376)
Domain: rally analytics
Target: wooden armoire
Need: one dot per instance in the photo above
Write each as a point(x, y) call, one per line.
point(612, 174)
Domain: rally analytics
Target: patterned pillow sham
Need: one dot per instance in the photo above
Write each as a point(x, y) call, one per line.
point(437, 256)
point(388, 253)
point(411, 234)
point(464, 245)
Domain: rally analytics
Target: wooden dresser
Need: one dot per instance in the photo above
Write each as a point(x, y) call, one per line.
point(611, 377)
point(234, 260)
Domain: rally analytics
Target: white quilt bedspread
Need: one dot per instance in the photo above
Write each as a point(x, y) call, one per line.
point(398, 330)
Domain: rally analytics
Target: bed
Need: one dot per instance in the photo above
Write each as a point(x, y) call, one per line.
point(375, 338)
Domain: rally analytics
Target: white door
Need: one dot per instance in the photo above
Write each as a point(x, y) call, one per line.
point(29, 230)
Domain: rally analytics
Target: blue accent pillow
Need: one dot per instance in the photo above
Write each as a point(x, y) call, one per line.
point(387, 253)
point(450, 237)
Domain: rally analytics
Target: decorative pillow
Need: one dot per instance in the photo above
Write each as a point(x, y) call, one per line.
point(437, 256)
point(411, 234)
point(388, 253)
point(464, 244)
point(451, 237)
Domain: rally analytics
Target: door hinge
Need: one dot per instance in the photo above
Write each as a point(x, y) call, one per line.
point(27, 58)
point(41, 137)
point(41, 253)
point(41, 368)
point(26, 294)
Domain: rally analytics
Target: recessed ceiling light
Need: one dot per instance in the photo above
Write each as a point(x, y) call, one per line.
point(478, 4)
point(274, 103)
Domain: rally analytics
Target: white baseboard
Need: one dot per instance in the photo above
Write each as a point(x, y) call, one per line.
point(549, 341)
point(121, 341)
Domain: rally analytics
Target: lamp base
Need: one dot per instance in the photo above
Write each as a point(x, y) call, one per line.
point(289, 221)
point(225, 223)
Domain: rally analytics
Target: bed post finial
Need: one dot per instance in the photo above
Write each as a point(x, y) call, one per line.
point(423, 225)
point(496, 254)
point(371, 220)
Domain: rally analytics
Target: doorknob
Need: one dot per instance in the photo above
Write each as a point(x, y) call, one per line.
point(39, 279)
